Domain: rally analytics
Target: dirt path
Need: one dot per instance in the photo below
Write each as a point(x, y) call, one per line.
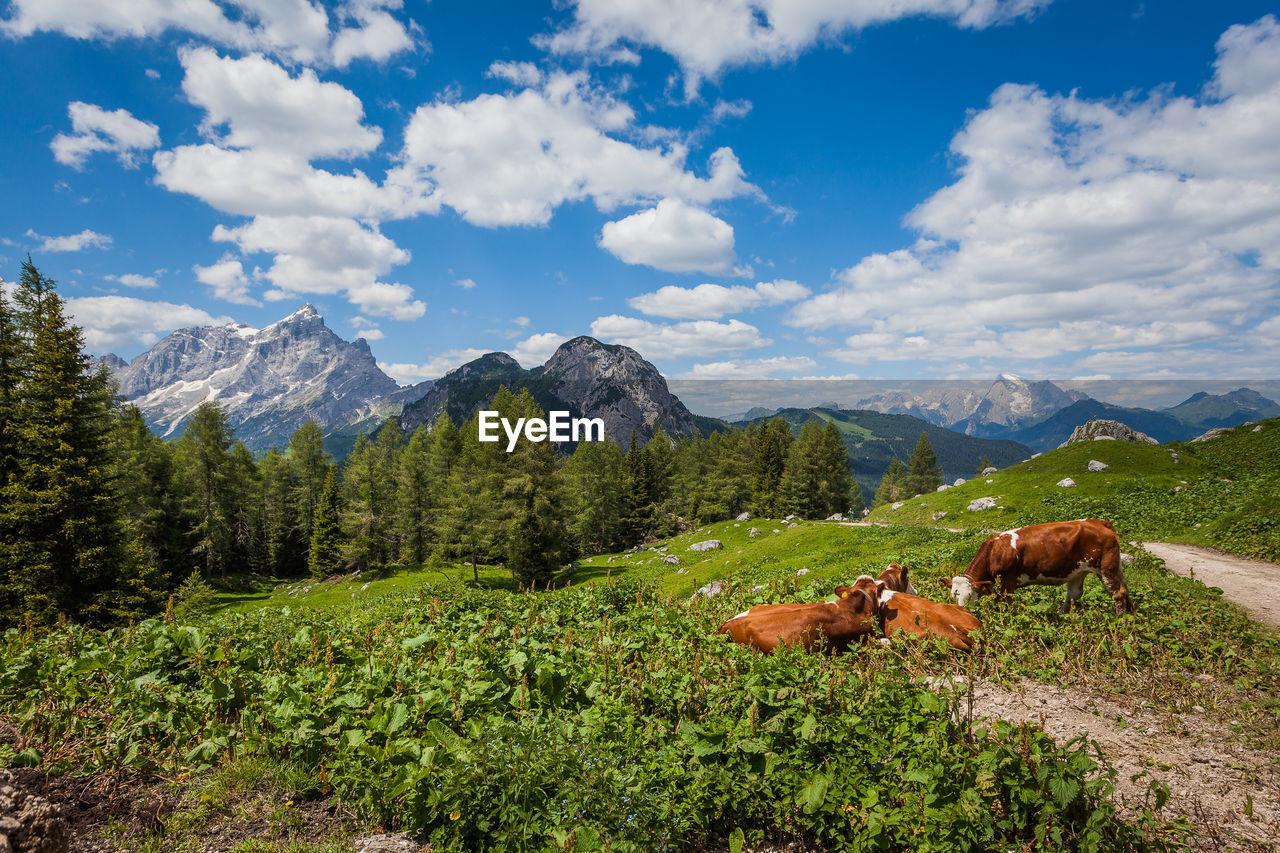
point(1254, 585)
point(1229, 792)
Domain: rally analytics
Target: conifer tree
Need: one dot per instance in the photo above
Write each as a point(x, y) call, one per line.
point(10, 371)
point(891, 485)
point(844, 493)
point(535, 540)
point(468, 519)
point(310, 463)
point(923, 474)
point(774, 443)
point(983, 465)
point(208, 478)
point(416, 495)
point(593, 478)
point(64, 546)
point(143, 475)
point(637, 505)
point(282, 544)
point(325, 555)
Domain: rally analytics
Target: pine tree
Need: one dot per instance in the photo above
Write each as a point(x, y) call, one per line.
point(805, 479)
point(416, 494)
point(983, 465)
point(284, 549)
point(310, 465)
point(593, 485)
point(205, 466)
point(144, 478)
point(923, 473)
point(843, 492)
point(535, 540)
point(637, 491)
point(326, 532)
point(467, 527)
point(774, 443)
point(64, 546)
point(891, 485)
point(10, 373)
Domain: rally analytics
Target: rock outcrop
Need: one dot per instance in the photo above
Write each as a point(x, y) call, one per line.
point(1100, 429)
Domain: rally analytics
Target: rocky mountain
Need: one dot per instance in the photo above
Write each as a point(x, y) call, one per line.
point(1012, 402)
point(270, 380)
point(1104, 430)
point(941, 406)
point(583, 377)
point(1224, 410)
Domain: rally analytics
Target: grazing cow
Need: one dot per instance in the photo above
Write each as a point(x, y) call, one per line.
point(901, 609)
point(1061, 552)
point(840, 623)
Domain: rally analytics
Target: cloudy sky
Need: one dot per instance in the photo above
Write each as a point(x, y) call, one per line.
point(736, 188)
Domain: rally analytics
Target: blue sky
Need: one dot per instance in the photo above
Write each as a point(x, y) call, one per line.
point(741, 189)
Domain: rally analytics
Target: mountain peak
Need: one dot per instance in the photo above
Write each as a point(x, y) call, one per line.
point(1009, 377)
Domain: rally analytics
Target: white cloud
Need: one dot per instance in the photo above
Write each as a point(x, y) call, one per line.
point(522, 322)
point(316, 254)
point(297, 30)
point(111, 322)
point(750, 368)
point(130, 279)
point(673, 237)
point(678, 340)
point(266, 109)
point(96, 129)
point(228, 280)
point(86, 239)
point(465, 283)
point(712, 301)
point(511, 159)
point(433, 368)
point(534, 350)
point(707, 36)
point(1079, 228)
point(367, 329)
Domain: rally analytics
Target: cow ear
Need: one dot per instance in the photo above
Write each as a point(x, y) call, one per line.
point(903, 569)
point(945, 582)
point(982, 584)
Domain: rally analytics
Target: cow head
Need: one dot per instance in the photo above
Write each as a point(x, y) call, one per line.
point(895, 578)
point(963, 588)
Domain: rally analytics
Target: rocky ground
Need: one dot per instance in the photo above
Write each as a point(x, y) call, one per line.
point(1253, 585)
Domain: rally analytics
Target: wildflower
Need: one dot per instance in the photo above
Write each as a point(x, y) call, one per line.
point(455, 814)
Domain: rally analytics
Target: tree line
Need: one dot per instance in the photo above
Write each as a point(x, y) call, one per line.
point(101, 520)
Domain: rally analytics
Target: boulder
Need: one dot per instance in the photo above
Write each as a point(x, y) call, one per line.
point(753, 532)
point(1036, 455)
point(1258, 428)
point(790, 518)
point(990, 469)
point(792, 524)
point(1126, 559)
point(981, 503)
point(711, 590)
point(671, 560)
point(802, 573)
point(960, 481)
point(938, 516)
point(898, 505)
point(942, 488)
point(1066, 483)
point(1095, 465)
point(746, 516)
point(1100, 429)
point(835, 517)
point(707, 545)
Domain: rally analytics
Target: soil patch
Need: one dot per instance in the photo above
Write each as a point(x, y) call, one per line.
point(1231, 794)
point(1253, 585)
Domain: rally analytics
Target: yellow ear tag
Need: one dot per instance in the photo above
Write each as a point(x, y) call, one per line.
point(844, 595)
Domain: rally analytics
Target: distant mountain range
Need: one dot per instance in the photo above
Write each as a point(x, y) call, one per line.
point(875, 439)
point(271, 380)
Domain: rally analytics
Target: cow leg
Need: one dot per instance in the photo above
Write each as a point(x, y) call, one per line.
point(1075, 589)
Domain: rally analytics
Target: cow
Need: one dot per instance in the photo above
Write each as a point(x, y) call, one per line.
point(1060, 552)
point(901, 609)
point(840, 623)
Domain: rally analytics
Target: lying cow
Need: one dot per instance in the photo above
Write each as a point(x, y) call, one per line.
point(902, 610)
point(839, 623)
point(1061, 552)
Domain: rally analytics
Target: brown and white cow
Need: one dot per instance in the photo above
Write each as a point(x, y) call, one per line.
point(901, 609)
point(1060, 552)
point(839, 623)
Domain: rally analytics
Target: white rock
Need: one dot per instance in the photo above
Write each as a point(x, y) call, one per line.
point(1178, 488)
point(960, 481)
point(1258, 428)
point(1126, 559)
point(791, 518)
point(737, 525)
point(746, 516)
point(711, 590)
point(753, 532)
point(757, 587)
point(990, 469)
point(708, 545)
point(897, 505)
point(981, 503)
point(990, 481)
point(938, 516)
point(942, 488)
point(835, 517)
point(802, 573)
point(1067, 483)
point(671, 560)
point(1036, 455)
point(1095, 465)
point(792, 524)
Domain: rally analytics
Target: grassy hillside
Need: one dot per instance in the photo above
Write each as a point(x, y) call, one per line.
point(1221, 492)
point(875, 439)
